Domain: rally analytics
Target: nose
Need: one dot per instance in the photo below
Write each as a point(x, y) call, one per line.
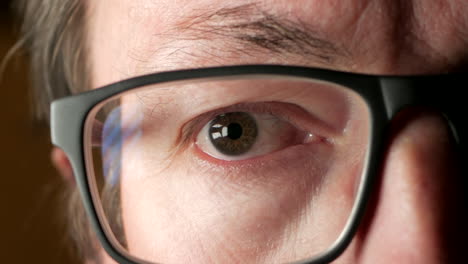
point(417, 213)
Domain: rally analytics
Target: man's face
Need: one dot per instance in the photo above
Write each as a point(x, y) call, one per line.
point(179, 210)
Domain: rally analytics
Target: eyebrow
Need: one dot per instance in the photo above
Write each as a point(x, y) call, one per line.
point(248, 27)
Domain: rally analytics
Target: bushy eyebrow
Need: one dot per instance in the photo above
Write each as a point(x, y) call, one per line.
point(249, 26)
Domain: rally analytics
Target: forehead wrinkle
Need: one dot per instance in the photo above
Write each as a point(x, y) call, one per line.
point(223, 34)
point(251, 26)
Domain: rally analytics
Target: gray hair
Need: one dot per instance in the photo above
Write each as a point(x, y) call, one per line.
point(53, 37)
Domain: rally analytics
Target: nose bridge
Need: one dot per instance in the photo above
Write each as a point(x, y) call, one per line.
point(421, 177)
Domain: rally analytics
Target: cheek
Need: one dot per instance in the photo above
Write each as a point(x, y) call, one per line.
point(189, 212)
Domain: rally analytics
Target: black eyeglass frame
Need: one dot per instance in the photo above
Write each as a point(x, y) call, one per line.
point(385, 96)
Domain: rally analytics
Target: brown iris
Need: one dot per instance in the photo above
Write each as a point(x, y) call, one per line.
point(233, 133)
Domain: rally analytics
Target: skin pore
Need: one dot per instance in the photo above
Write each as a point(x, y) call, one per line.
point(408, 220)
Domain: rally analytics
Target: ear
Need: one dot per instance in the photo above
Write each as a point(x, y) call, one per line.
point(63, 165)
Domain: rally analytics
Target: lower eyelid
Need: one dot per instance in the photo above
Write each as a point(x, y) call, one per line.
point(273, 167)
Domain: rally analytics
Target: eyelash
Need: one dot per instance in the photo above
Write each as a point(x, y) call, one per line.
point(281, 110)
point(194, 126)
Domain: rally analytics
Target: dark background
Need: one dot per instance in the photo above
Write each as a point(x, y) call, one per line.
point(31, 206)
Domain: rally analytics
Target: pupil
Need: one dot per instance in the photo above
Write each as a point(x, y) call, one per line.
point(234, 131)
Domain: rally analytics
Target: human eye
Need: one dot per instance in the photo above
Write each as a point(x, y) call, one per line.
point(248, 131)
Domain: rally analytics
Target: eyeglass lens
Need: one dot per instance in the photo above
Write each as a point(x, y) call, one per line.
point(246, 170)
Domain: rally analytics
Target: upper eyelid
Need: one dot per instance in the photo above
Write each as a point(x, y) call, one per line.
point(193, 126)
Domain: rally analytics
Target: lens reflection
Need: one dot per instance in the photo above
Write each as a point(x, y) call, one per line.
point(232, 171)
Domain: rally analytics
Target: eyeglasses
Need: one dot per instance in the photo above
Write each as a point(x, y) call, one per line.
point(254, 163)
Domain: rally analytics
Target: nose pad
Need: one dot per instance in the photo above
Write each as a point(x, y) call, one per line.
point(416, 214)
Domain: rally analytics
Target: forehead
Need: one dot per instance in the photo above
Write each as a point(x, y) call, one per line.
point(133, 37)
